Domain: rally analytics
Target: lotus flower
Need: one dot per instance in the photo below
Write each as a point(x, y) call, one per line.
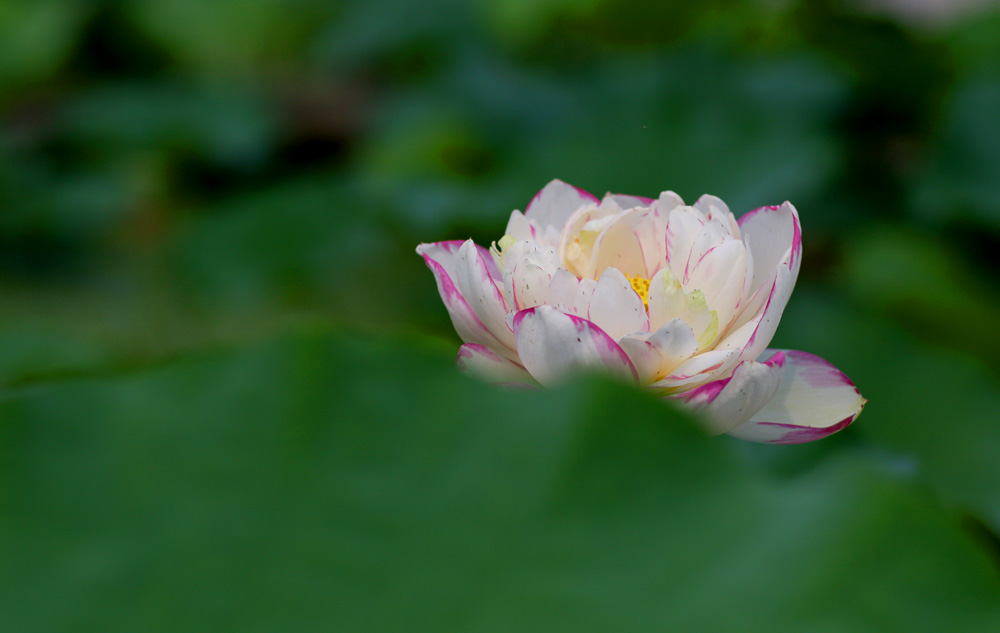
point(680, 299)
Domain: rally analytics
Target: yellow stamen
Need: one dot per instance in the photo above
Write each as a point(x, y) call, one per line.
point(641, 287)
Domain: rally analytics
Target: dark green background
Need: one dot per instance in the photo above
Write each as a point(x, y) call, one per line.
point(228, 394)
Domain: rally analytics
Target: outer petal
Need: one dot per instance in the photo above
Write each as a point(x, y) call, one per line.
point(553, 205)
point(754, 303)
point(481, 293)
point(748, 281)
point(468, 326)
point(446, 254)
point(484, 363)
point(774, 233)
point(814, 400)
point(552, 345)
point(731, 401)
point(615, 307)
point(754, 336)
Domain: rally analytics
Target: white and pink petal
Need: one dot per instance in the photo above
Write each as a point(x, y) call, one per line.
point(553, 345)
point(775, 239)
point(468, 326)
point(729, 402)
point(553, 205)
point(697, 370)
point(814, 400)
point(446, 254)
point(480, 291)
point(754, 336)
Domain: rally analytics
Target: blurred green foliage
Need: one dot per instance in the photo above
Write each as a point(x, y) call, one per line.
point(229, 400)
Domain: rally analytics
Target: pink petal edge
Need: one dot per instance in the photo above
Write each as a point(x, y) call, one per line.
point(796, 227)
point(819, 373)
point(458, 308)
point(452, 246)
point(803, 434)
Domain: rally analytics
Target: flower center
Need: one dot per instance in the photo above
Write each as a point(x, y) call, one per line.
point(641, 287)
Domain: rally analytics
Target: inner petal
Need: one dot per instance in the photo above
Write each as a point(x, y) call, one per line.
point(633, 243)
point(668, 300)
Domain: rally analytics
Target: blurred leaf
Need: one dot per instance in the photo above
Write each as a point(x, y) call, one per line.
point(753, 134)
point(227, 123)
point(973, 43)
point(934, 409)
point(229, 36)
point(526, 22)
point(37, 36)
point(325, 481)
point(963, 177)
point(925, 287)
point(312, 243)
point(398, 39)
point(697, 122)
point(249, 249)
point(50, 213)
point(439, 147)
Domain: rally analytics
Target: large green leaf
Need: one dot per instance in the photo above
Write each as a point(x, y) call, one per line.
point(324, 482)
